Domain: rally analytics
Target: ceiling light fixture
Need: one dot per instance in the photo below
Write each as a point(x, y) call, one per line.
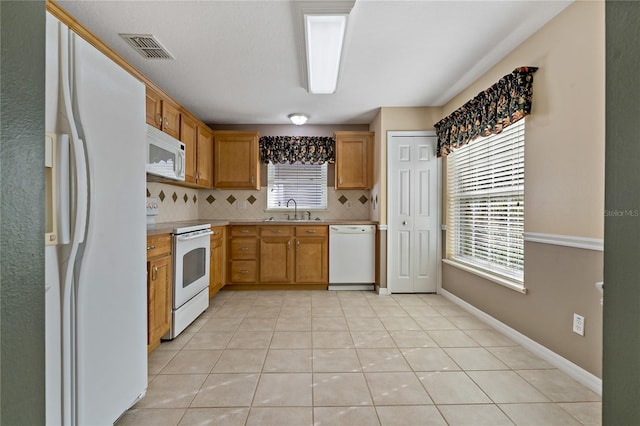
point(324, 35)
point(298, 118)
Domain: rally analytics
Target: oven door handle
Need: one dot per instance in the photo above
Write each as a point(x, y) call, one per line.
point(193, 237)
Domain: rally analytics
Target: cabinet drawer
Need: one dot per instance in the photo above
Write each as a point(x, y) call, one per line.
point(243, 231)
point(309, 231)
point(243, 271)
point(276, 231)
point(158, 245)
point(244, 248)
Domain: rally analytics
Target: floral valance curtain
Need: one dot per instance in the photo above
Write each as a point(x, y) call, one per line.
point(489, 112)
point(305, 149)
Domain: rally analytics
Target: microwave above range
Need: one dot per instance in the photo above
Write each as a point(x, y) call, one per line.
point(165, 156)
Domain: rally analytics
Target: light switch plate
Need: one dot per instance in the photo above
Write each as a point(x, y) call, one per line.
point(578, 324)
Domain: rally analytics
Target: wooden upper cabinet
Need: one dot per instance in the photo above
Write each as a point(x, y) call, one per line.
point(154, 108)
point(354, 160)
point(235, 159)
point(162, 113)
point(171, 119)
point(198, 141)
point(204, 160)
point(188, 135)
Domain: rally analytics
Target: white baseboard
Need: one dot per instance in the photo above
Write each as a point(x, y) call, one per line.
point(574, 371)
point(382, 291)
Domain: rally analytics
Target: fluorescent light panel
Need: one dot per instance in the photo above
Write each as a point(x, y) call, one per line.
point(324, 36)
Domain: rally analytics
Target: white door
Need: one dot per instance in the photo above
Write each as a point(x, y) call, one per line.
point(413, 210)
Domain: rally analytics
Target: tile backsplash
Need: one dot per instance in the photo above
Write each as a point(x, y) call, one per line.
point(176, 202)
point(179, 203)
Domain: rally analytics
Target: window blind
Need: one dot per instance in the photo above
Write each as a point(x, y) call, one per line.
point(305, 183)
point(486, 203)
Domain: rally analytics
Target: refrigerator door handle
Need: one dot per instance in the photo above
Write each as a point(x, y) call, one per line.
point(77, 237)
point(51, 236)
point(64, 217)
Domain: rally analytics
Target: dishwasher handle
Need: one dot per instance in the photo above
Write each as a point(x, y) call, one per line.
point(355, 229)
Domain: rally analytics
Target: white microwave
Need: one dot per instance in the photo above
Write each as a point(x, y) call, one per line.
point(165, 156)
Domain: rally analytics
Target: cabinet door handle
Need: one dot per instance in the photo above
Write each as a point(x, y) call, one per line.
point(311, 231)
point(276, 231)
point(159, 119)
point(216, 233)
point(340, 180)
point(154, 276)
point(166, 123)
point(245, 231)
point(298, 244)
point(244, 271)
point(150, 247)
point(289, 245)
point(244, 248)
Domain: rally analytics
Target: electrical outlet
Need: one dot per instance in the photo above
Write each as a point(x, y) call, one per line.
point(578, 324)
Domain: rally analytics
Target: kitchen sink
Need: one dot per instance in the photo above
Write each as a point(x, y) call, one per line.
point(272, 219)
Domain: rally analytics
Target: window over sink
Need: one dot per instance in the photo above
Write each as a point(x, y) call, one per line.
point(305, 183)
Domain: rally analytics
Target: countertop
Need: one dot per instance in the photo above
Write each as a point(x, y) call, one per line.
point(168, 227)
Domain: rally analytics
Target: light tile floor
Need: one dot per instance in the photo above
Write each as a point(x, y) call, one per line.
point(351, 358)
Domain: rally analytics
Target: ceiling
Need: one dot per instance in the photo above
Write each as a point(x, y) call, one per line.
point(241, 61)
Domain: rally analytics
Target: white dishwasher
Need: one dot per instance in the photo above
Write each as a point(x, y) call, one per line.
point(352, 257)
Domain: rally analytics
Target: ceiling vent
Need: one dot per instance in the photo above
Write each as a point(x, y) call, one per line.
point(147, 46)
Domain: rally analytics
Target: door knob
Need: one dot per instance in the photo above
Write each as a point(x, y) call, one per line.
point(404, 223)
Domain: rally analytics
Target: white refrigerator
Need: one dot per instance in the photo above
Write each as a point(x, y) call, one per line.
point(95, 259)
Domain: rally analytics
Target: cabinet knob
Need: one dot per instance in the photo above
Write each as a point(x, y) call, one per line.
point(154, 276)
point(150, 247)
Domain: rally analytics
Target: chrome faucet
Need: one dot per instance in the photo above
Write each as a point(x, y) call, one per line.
point(295, 208)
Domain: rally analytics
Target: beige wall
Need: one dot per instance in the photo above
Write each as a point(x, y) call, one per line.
point(390, 119)
point(564, 188)
point(292, 129)
point(564, 152)
point(559, 282)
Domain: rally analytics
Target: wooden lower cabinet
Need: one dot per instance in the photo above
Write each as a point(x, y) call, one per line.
point(312, 255)
point(159, 279)
point(217, 264)
point(276, 254)
point(243, 252)
point(279, 255)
